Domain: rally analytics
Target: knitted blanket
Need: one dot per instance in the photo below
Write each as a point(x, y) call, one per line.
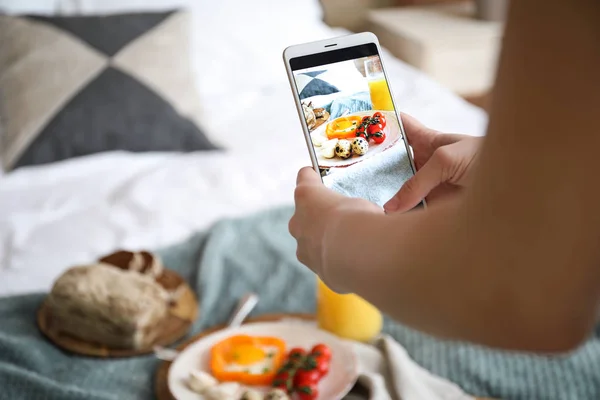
point(257, 254)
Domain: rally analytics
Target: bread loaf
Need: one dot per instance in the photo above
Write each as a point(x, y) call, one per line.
point(143, 262)
point(148, 264)
point(116, 307)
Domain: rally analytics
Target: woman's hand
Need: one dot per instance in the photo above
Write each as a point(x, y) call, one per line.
point(317, 209)
point(444, 165)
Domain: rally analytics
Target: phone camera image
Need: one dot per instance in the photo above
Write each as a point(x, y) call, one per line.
point(355, 134)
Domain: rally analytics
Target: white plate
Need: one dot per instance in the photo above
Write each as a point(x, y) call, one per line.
point(343, 370)
point(392, 135)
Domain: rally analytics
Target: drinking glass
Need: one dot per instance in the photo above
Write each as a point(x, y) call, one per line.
point(347, 315)
point(378, 87)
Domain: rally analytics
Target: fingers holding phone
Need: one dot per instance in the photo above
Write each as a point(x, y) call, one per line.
point(444, 164)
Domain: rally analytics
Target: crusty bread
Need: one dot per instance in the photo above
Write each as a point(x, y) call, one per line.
point(125, 260)
point(149, 264)
point(153, 265)
point(108, 305)
point(143, 262)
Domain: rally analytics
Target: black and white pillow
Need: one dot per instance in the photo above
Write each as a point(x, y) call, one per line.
point(73, 86)
point(314, 83)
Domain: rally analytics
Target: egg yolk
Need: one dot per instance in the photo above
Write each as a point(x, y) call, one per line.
point(343, 128)
point(245, 354)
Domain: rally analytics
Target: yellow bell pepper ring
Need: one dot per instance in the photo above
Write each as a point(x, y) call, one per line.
point(231, 359)
point(343, 127)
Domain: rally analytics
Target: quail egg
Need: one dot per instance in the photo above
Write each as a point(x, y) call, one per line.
point(360, 146)
point(277, 394)
point(343, 148)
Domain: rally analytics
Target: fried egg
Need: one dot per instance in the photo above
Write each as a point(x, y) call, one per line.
point(251, 358)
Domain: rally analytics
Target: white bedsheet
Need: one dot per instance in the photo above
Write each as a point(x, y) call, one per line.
point(55, 216)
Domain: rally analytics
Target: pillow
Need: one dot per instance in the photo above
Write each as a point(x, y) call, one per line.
point(314, 83)
point(305, 9)
point(30, 6)
point(343, 77)
point(73, 86)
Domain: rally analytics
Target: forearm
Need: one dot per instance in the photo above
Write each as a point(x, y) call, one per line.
point(418, 268)
point(428, 269)
point(515, 259)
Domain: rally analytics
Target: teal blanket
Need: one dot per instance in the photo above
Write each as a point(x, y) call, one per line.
point(257, 254)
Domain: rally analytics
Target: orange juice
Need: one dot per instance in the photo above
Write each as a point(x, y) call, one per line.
point(380, 95)
point(347, 315)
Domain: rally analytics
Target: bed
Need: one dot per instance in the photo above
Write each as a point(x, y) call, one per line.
point(58, 214)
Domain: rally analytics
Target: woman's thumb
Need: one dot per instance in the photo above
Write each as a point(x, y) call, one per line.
point(416, 188)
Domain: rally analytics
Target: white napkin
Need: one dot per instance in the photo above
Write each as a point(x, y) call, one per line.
point(388, 373)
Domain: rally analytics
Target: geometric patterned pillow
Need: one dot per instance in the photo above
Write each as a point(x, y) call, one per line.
point(314, 83)
point(72, 86)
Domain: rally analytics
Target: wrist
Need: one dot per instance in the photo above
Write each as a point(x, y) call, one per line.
point(341, 250)
point(331, 246)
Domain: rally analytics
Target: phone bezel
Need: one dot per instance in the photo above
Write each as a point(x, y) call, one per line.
point(328, 45)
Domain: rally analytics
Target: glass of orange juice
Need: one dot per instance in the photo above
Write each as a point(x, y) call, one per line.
point(347, 315)
point(378, 87)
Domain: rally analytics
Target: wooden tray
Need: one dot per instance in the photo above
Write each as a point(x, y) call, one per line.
point(177, 324)
point(161, 385)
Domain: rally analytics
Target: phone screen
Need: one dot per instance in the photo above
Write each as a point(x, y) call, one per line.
point(355, 134)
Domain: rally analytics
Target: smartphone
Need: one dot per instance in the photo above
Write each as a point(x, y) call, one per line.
point(352, 127)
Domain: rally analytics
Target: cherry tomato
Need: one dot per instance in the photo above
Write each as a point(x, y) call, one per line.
point(282, 376)
point(378, 137)
point(374, 128)
point(366, 120)
point(306, 377)
point(296, 352)
point(309, 392)
point(321, 350)
point(282, 381)
point(322, 366)
point(363, 135)
point(380, 117)
point(361, 131)
point(277, 384)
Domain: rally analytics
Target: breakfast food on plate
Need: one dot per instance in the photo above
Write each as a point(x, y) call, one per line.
point(302, 371)
point(277, 394)
point(328, 148)
point(252, 395)
point(223, 391)
point(250, 360)
point(107, 305)
point(244, 360)
point(206, 385)
point(343, 148)
point(342, 128)
point(200, 381)
point(360, 146)
point(350, 135)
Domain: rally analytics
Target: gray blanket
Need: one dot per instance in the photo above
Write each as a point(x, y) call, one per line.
point(257, 254)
